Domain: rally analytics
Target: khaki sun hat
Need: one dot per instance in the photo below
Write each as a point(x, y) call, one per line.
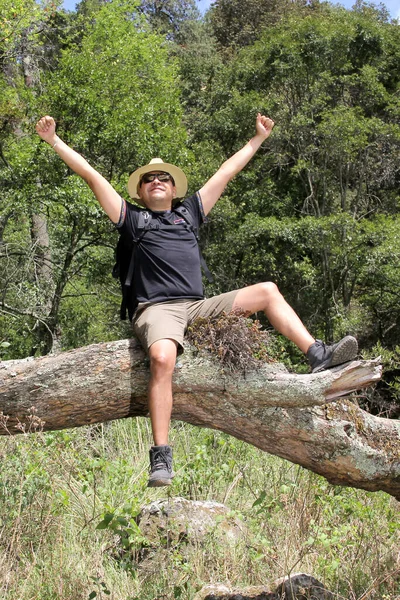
point(156, 164)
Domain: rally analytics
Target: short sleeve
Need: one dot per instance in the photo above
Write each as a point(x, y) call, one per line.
point(122, 214)
point(127, 223)
point(195, 206)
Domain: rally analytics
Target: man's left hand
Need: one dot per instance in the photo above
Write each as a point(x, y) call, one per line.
point(264, 125)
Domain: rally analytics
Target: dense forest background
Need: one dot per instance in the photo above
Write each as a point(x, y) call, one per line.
point(316, 211)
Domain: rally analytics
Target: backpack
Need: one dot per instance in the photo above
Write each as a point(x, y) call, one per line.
point(125, 257)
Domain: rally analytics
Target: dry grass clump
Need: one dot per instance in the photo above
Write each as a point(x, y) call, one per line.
point(236, 340)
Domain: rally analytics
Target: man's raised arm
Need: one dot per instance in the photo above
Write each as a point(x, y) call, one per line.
point(212, 190)
point(108, 198)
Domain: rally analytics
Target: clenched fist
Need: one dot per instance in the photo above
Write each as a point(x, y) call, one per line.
point(46, 128)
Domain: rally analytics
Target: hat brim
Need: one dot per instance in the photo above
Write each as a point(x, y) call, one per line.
point(177, 173)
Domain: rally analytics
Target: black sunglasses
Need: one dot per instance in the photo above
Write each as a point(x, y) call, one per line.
point(148, 177)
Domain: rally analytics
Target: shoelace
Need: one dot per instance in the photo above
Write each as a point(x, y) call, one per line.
point(161, 460)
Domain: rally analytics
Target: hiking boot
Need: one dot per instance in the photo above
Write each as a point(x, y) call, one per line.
point(321, 356)
point(160, 466)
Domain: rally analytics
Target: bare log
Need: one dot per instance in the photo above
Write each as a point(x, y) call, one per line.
point(297, 417)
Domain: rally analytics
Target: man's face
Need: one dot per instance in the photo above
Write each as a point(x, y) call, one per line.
point(157, 190)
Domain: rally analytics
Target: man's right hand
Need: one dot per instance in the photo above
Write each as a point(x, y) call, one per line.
point(108, 198)
point(46, 128)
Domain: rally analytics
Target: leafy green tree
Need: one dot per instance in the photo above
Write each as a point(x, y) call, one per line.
point(169, 17)
point(115, 98)
point(236, 24)
point(327, 79)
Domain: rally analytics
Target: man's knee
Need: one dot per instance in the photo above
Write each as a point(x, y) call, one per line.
point(163, 357)
point(257, 297)
point(162, 362)
point(269, 289)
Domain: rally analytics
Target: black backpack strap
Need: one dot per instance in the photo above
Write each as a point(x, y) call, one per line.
point(186, 215)
point(144, 224)
point(144, 220)
point(183, 212)
point(129, 302)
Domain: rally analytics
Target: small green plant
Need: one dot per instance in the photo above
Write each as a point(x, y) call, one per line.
point(128, 535)
point(102, 589)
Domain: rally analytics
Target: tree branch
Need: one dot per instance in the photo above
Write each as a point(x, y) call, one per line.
point(284, 414)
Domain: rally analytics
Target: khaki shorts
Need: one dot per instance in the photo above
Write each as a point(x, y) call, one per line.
point(169, 320)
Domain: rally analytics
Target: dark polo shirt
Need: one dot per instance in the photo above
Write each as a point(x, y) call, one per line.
point(167, 261)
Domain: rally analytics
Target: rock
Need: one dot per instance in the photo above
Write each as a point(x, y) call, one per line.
point(212, 592)
point(220, 592)
point(296, 587)
point(301, 586)
point(171, 521)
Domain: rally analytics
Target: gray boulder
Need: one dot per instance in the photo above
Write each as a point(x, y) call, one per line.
point(168, 522)
point(298, 586)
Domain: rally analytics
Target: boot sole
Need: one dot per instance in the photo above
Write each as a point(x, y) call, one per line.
point(159, 482)
point(346, 350)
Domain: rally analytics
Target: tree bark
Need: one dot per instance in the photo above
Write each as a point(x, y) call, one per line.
point(297, 417)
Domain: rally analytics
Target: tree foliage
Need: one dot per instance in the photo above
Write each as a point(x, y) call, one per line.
point(321, 200)
point(236, 24)
point(169, 17)
point(316, 210)
point(113, 92)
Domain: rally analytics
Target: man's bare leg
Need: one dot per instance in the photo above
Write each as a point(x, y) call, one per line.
point(162, 363)
point(267, 298)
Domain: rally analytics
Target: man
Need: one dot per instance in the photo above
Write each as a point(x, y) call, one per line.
point(167, 277)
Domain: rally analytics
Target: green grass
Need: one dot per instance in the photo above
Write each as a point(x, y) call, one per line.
point(68, 502)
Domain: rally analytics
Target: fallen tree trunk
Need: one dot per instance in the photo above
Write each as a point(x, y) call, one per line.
point(296, 417)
